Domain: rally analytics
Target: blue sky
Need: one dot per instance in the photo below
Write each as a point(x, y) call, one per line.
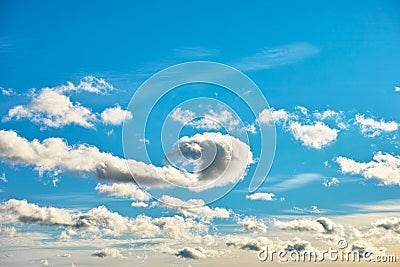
point(329, 72)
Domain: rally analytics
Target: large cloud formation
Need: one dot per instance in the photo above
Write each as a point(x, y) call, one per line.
point(383, 167)
point(228, 165)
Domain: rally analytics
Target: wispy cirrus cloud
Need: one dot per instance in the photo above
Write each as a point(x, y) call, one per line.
point(276, 56)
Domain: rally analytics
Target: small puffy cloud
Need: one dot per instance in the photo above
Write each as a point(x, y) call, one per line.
point(252, 225)
point(269, 116)
point(3, 178)
point(115, 116)
point(108, 252)
point(397, 88)
point(193, 208)
point(182, 116)
point(51, 107)
point(303, 110)
point(316, 135)
point(125, 190)
point(321, 225)
point(383, 167)
point(261, 196)
point(372, 128)
point(7, 92)
point(326, 114)
point(331, 182)
point(392, 224)
point(139, 204)
point(196, 253)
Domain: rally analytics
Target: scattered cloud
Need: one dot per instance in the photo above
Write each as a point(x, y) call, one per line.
point(115, 116)
point(331, 182)
point(321, 225)
point(182, 116)
point(384, 167)
point(397, 88)
point(261, 196)
point(196, 253)
point(316, 135)
point(99, 222)
point(372, 128)
point(253, 225)
point(269, 116)
point(126, 190)
point(277, 56)
point(7, 92)
point(193, 208)
point(108, 252)
point(3, 178)
point(52, 107)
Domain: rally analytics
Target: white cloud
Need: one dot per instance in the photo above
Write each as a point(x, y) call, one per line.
point(123, 190)
point(182, 116)
point(7, 92)
point(139, 204)
point(261, 196)
point(193, 208)
point(196, 253)
point(277, 56)
point(268, 116)
point(326, 114)
point(303, 110)
point(212, 120)
point(51, 107)
point(383, 167)
point(115, 116)
point(372, 128)
point(332, 182)
point(321, 225)
point(3, 178)
point(99, 221)
point(316, 135)
point(228, 165)
point(108, 252)
point(392, 224)
point(253, 225)
point(397, 88)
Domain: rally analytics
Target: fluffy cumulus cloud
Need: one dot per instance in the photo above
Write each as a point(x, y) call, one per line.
point(261, 196)
point(193, 208)
point(51, 107)
point(372, 128)
point(227, 165)
point(99, 221)
point(383, 167)
point(392, 224)
point(316, 135)
point(320, 225)
point(108, 252)
point(115, 116)
point(268, 116)
point(331, 182)
point(196, 253)
point(127, 190)
point(212, 120)
point(253, 225)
